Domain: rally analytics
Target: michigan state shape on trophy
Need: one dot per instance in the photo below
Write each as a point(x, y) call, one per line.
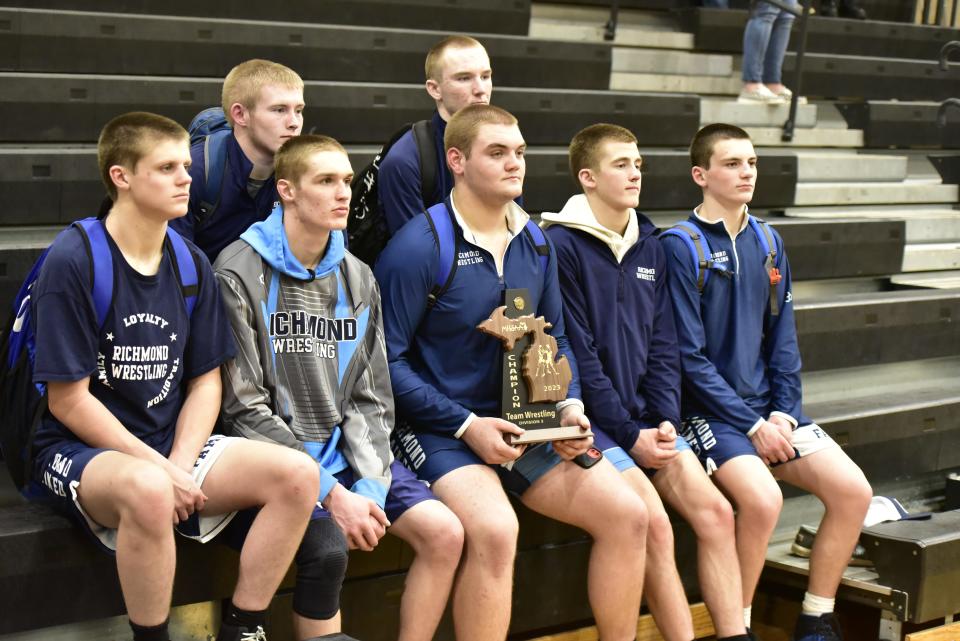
point(534, 375)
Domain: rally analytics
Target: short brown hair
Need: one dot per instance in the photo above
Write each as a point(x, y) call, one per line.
point(290, 162)
point(128, 138)
point(432, 67)
point(244, 82)
point(585, 146)
point(463, 127)
point(701, 147)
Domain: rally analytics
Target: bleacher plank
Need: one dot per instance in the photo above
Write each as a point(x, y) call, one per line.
point(842, 248)
point(646, 628)
point(722, 30)
point(73, 108)
point(945, 632)
point(489, 16)
point(115, 43)
point(58, 185)
point(887, 123)
point(856, 329)
point(896, 420)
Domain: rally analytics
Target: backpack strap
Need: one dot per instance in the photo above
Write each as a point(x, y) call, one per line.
point(423, 135)
point(95, 237)
point(699, 248)
point(186, 266)
point(539, 242)
point(765, 236)
point(443, 226)
point(215, 167)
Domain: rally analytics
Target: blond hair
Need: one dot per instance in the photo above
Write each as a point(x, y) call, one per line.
point(463, 128)
point(433, 66)
point(292, 159)
point(586, 144)
point(245, 81)
point(128, 138)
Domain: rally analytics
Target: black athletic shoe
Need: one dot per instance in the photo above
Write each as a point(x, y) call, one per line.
point(229, 632)
point(802, 546)
point(821, 628)
point(849, 9)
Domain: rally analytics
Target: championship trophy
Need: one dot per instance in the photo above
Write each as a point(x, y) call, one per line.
point(533, 378)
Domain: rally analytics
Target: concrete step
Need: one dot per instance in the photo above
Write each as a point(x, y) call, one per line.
point(652, 61)
point(729, 110)
point(844, 166)
point(925, 257)
point(587, 24)
point(935, 280)
point(817, 137)
point(896, 421)
point(654, 82)
point(856, 193)
point(858, 329)
point(924, 223)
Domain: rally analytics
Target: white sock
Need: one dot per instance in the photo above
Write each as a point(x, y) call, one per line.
point(746, 615)
point(816, 605)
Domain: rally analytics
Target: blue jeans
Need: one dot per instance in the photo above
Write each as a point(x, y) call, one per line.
point(765, 42)
point(717, 4)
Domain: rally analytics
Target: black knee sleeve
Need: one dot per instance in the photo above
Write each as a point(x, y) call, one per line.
point(321, 566)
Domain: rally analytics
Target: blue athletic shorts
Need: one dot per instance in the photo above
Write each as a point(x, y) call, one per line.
point(430, 456)
point(620, 458)
point(715, 442)
point(406, 490)
point(59, 467)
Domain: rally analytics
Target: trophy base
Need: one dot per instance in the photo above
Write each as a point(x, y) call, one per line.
point(545, 434)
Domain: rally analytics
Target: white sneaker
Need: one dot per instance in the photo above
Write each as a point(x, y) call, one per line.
point(759, 96)
point(787, 96)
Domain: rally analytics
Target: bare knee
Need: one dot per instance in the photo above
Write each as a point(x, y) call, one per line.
point(762, 507)
point(659, 532)
point(298, 480)
point(851, 497)
point(443, 537)
point(145, 499)
point(494, 537)
point(626, 519)
point(714, 519)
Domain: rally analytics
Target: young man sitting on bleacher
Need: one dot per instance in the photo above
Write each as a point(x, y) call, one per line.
point(133, 381)
point(620, 324)
point(730, 284)
point(311, 374)
point(263, 104)
point(458, 74)
point(446, 373)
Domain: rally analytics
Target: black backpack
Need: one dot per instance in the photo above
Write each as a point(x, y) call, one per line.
point(367, 232)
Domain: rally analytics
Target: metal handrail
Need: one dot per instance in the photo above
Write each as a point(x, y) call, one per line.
point(945, 106)
point(803, 12)
point(610, 29)
point(945, 52)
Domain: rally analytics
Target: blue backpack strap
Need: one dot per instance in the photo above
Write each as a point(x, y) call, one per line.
point(769, 245)
point(699, 248)
point(186, 270)
point(95, 236)
point(442, 225)
point(540, 242)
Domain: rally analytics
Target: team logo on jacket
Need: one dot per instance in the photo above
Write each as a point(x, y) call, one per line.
point(646, 273)
point(470, 257)
point(298, 332)
point(720, 256)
